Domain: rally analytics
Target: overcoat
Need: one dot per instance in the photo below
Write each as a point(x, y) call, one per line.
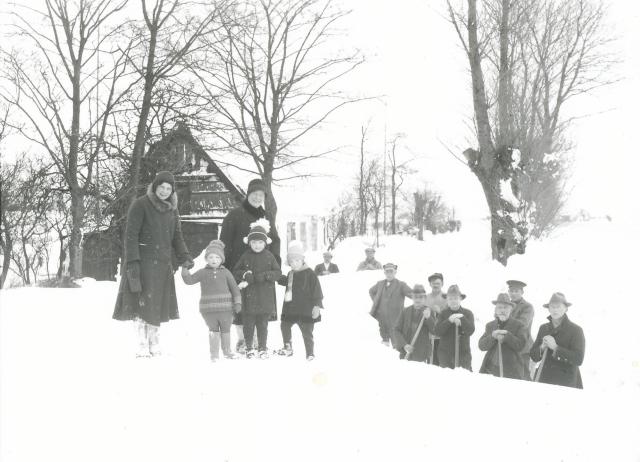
point(306, 293)
point(511, 347)
point(259, 297)
point(406, 328)
point(446, 331)
point(153, 237)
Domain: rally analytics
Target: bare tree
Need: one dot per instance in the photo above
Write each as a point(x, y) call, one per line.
point(376, 193)
point(527, 59)
point(51, 85)
point(398, 172)
point(276, 83)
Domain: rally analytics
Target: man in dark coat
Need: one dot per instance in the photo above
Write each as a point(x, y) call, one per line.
point(436, 302)
point(327, 267)
point(510, 334)
point(235, 227)
point(564, 342)
point(454, 315)
point(153, 241)
point(523, 312)
point(407, 326)
point(388, 301)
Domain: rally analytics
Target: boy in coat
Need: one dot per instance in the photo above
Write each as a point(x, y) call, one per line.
point(370, 262)
point(219, 298)
point(388, 301)
point(510, 335)
point(454, 315)
point(326, 267)
point(564, 344)
point(523, 312)
point(302, 301)
point(407, 326)
point(257, 270)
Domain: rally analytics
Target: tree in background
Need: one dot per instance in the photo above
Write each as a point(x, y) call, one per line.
point(399, 170)
point(527, 58)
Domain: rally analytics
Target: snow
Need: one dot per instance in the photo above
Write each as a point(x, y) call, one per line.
point(71, 390)
point(507, 194)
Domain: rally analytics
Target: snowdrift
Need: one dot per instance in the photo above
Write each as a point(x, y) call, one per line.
point(70, 389)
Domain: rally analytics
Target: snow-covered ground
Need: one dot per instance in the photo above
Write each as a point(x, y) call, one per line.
point(71, 390)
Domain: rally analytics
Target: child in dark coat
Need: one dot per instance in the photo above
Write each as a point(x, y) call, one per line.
point(219, 297)
point(407, 326)
point(302, 301)
point(510, 335)
point(454, 315)
point(257, 270)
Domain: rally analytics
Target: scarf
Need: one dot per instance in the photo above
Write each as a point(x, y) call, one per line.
point(288, 296)
point(159, 204)
point(256, 212)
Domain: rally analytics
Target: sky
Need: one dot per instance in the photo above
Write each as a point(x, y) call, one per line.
point(418, 74)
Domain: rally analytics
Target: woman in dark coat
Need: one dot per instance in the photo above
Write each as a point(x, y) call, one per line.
point(235, 227)
point(153, 243)
point(512, 336)
point(564, 342)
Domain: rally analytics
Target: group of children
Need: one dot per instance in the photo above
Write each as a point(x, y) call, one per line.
point(436, 329)
point(250, 287)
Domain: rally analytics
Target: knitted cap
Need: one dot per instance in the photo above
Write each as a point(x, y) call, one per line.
point(256, 185)
point(217, 247)
point(295, 249)
point(164, 177)
point(259, 231)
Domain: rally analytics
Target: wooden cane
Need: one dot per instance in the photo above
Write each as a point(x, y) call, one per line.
point(415, 337)
point(433, 347)
point(456, 357)
point(539, 371)
point(500, 358)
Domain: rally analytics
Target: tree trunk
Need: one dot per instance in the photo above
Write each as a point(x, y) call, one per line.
point(61, 257)
point(270, 201)
point(393, 200)
point(6, 259)
point(75, 239)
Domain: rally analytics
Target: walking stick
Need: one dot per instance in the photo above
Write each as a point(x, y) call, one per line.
point(415, 337)
point(433, 346)
point(500, 358)
point(456, 357)
point(539, 371)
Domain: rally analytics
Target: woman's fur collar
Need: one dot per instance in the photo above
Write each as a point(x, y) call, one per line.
point(160, 205)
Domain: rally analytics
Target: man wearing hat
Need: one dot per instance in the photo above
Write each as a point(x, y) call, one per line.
point(407, 326)
point(327, 267)
point(437, 302)
point(388, 298)
point(510, 334)
point(564, 344)
point(370, 262)
point(523, 312)
point(452, 316)
point(235, 227)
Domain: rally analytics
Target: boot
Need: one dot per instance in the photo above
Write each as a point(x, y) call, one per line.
point(226, 346)
point(240, 347)
point(154, 339)
point(142, 337)
point(287, 350)
point(214, 345)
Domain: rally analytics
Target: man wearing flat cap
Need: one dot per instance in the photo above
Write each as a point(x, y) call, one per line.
point(523, 312)
point(326, 267)
point(370, 262)
point(388, 298)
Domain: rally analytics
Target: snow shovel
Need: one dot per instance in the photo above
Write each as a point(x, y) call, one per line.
point(500, 358)
point(415, 337)
point(539, 371)
point(456, 356)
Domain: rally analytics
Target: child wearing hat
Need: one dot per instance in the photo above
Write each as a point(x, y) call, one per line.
point(564, 344)
point(388, 298)
point(302, 301)
point(257, 271)
point(454, 315)
point(219, 297)
point(510, 334)
point(407, 326)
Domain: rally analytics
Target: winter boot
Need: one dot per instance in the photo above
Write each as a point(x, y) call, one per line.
point(154, 339)
point(263, 354)
point(241, 347)
point(214, 345)
point(310, 358)
point(287, 350)
point(226, 346)
point(142, 337)
point(251, 354)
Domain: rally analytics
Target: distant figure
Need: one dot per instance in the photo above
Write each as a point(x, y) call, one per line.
point(370, 262)
point(327, 267)
point(523, 312)
point(407, 326)
point(388, 301)
point(455, 315)
point(510, 334)
point(564, 343)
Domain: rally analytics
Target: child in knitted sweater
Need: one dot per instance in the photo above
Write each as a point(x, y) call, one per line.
point(219, 297)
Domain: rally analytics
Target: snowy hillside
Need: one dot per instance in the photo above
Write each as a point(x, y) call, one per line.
point(71, 390)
